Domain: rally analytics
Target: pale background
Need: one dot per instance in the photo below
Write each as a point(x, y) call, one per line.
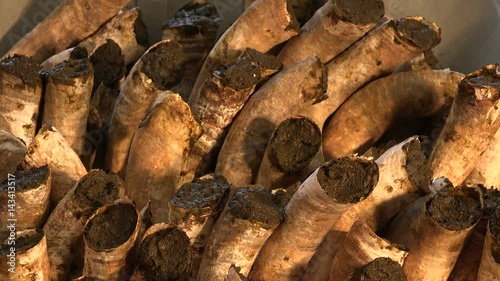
point(471, 28)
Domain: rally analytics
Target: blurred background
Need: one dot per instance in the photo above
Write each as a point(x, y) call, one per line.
point(470, 29)
point(20, 16)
